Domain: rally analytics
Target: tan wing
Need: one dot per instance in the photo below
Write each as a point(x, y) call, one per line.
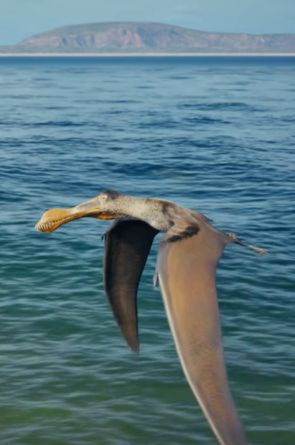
point(187, 270)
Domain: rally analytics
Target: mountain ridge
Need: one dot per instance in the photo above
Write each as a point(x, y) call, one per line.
point(145, 37)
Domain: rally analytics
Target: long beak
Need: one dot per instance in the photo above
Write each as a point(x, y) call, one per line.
point(53, 219)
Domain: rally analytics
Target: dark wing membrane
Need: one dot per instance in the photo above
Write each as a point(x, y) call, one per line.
point(127, 245)
point(187, 271)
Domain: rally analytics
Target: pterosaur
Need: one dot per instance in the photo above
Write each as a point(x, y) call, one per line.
point(186, 271)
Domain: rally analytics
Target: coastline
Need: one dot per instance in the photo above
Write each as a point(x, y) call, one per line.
point(147, 54)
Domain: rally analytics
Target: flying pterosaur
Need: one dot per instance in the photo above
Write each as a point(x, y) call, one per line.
point(186, 270)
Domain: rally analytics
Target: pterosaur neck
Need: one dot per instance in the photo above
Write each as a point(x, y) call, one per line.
point(152, 211)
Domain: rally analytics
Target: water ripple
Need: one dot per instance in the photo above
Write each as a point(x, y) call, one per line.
point(215, 135)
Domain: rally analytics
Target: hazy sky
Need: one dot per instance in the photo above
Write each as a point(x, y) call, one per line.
point(21, 18)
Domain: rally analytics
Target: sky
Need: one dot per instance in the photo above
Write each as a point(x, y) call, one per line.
point(22, 18)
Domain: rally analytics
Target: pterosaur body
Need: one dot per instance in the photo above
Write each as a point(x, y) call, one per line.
point(188, 256)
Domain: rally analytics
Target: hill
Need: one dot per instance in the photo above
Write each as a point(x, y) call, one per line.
point(150, 37)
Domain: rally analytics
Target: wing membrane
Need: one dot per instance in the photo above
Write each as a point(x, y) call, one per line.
point(187, 270)
point(127, 245)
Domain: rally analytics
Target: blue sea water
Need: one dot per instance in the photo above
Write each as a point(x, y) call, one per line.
point(213, 134)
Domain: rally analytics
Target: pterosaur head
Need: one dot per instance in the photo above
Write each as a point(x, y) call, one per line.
point(104, 206)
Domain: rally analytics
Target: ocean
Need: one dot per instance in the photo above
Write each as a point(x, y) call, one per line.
point(213, 134)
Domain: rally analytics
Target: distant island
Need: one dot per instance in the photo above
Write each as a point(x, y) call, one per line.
point(136, 38)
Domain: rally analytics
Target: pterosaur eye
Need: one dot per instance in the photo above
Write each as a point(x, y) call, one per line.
point(110, 194)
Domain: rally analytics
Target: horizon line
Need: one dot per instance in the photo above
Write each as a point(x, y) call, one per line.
point(147, 54)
